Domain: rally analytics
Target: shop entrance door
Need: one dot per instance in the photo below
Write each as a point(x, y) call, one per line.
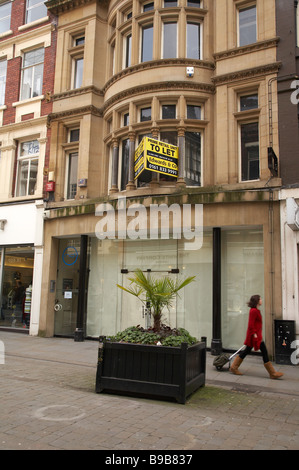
point(134, 313)
point(68, 289)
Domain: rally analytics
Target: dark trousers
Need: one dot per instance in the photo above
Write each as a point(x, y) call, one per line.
point(263, 350)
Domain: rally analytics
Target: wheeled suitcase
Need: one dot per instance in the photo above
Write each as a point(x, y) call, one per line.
point(223, 359)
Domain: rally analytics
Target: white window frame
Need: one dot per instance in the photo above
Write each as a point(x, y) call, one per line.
point(3, 82)
point(29, 157)
point(4, 17)
point(33, 68)
point(31, 8)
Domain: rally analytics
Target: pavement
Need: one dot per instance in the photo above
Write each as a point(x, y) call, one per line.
point(48, 402)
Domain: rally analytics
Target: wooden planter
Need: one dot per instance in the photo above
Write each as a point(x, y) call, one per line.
point(151, 371)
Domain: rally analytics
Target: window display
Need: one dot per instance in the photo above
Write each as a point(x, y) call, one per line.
point(16, 291)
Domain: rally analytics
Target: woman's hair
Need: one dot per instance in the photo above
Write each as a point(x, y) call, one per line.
point(254, 300)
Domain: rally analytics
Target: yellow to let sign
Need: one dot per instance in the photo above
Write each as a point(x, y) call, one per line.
point(156, 156)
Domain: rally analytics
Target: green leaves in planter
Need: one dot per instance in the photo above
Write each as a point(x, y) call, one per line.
point(167, 336)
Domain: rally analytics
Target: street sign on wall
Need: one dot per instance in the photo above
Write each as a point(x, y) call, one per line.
point(156, 156)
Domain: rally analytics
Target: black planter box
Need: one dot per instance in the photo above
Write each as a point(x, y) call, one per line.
point(151, 371)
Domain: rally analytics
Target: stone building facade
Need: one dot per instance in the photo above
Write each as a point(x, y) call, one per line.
point(195, 75)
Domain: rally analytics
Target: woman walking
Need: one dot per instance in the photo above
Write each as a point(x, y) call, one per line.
point(254, 340)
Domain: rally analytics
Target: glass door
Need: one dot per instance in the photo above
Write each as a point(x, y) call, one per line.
point(67, 287)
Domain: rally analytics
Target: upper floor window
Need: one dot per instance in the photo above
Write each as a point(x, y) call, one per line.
point(35, 9)
point(147, 43)
point(32, 73)
point(126, 119)
point(27, 168)
point(248, 102)
point(193, 111)
point(3, 67)
point(128, 49)
point(170, 3)
point(168, 111)
point(146, 114)
point(78, 60)
point(72, 164)
point(193, 40)
point(148, 6)
point(247, 26)
point(250, 169)
point(194, 3)
point(169, 40)
point(5, 12)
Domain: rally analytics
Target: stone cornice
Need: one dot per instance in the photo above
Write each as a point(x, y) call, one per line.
point(60, 6)
point(90, 109)
point(253, 72)
point(237, 51)
point(159, 63)
point(159, 86)
point(76, 92)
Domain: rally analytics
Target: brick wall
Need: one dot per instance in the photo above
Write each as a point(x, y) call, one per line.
point(14, 65)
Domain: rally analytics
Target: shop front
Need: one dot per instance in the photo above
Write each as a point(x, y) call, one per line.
point(21, 254)
point(108, 309)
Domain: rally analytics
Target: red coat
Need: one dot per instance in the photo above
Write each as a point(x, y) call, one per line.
point(254, 327)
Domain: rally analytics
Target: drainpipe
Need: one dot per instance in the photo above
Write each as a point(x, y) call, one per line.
point(216, 344)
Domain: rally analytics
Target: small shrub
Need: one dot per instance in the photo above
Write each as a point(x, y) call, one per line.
point(166, 336)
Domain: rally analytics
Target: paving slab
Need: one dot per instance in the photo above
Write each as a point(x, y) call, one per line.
point(48, 402)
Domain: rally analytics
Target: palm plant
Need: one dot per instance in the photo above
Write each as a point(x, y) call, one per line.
point(159, 292)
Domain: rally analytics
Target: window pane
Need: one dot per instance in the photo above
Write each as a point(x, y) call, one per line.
point(126, 119)
point(247, 26)
point(248, 102)
point(74, 135)
point(29, 148)
point(168, 111)
point(250, 151)
point(78, 73)
point(128, 50)
point(5, 10)
point(193, 41)
point(148, 6)
point(193, 158)
point(32, 176)
point(32, 78)
point(147, 44)
point(72, 176)
point(38, 80)
point(35, 10)
point(33, 57)
point(193, 112)
point(125, 164)
point(3, 68)
point(145, 114)
point(170, 40)
point(170, 3)
point(193, 3)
